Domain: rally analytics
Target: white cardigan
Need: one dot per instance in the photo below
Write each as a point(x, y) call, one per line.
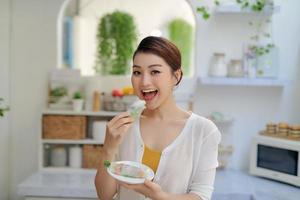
point(187, 165)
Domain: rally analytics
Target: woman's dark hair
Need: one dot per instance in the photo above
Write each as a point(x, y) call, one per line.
point(164, 49)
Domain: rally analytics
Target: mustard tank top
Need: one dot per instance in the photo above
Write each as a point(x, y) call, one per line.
point(151, 158)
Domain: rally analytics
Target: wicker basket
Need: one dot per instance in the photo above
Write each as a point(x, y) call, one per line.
point(64, 127)
point(91, 156)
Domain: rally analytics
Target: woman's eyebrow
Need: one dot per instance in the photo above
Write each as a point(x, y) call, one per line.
point(153, 65)
point(136, 66)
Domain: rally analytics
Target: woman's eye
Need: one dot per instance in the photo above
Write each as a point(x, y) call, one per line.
point(155, 72)
point(136, 73)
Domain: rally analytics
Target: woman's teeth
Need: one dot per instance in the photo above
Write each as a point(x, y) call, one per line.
point(149, 94)
point(150, 90)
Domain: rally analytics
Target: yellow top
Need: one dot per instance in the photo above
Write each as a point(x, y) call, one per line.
point(151, 158)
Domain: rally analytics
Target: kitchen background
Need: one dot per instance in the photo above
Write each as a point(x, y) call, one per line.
point(28, 53)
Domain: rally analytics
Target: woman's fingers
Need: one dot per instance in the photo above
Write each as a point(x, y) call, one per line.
point(151, 185)
point(125, 127)
point(116, 118)
point(119, 126)
point(122, 121)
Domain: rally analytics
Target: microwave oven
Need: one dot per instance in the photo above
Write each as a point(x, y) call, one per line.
point(276, 158)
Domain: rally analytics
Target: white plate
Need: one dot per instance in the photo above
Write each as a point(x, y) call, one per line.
point(148, 171)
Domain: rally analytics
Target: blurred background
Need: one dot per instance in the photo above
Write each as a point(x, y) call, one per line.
point(65, 70)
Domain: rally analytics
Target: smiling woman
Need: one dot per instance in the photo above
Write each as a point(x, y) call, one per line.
point(179, 146)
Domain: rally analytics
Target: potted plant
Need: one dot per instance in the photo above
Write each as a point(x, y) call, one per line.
point(77, 101)
point(57, 94)
point(2, 109)
point(181, 33)
point(116, 42)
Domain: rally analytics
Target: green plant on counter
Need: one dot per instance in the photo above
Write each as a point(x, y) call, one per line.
point(117, 37)
point(57, 93)
point(3, 109)
point(181, 33)
point(77, 95)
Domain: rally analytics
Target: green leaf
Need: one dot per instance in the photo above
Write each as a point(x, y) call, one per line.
point(204, 12)
point(106, 163)
point(77, 95)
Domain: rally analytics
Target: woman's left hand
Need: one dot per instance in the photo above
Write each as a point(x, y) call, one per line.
point(148, 189)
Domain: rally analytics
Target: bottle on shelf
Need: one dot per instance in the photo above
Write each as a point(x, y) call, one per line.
point(75, 156)
point(96, 101)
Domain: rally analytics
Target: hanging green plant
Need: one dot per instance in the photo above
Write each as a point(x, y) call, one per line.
point(255, 6)
point(181, 33)
point(2, 109)
point(117, 37)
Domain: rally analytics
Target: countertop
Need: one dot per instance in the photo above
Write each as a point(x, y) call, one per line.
point(68, 184)
point(229, 185)
point(240, 185)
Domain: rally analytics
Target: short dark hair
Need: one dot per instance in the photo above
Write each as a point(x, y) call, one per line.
point(163, 48)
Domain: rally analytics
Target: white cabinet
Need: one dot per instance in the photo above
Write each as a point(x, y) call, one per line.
point(47, 146)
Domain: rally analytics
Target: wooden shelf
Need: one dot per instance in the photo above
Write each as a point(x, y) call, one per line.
point(45, 153)
point(243, 81)
point(234, 8)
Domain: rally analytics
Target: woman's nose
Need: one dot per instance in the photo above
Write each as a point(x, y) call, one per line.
point(146, 80)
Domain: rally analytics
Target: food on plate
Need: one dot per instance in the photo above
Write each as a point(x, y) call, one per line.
point(125, 170)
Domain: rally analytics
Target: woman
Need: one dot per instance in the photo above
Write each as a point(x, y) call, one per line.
point(180, 146)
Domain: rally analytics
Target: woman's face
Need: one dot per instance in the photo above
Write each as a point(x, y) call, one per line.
point(152, 79)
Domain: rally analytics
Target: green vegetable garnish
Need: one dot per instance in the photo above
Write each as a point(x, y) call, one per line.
point(106, 163)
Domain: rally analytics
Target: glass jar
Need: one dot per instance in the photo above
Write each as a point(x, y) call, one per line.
point(75, 156)
point(58, 156)
point(218, 66)
point(235, 68)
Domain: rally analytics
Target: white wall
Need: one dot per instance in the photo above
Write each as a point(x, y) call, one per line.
point(4, 93)
point(252, 107)
point(33, 54)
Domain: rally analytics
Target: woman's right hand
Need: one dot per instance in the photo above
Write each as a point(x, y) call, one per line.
point(116, 129)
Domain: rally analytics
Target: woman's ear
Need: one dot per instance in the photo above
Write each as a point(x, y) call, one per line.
point(178, 75)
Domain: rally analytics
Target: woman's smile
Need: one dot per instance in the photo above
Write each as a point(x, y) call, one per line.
point(149, 95)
